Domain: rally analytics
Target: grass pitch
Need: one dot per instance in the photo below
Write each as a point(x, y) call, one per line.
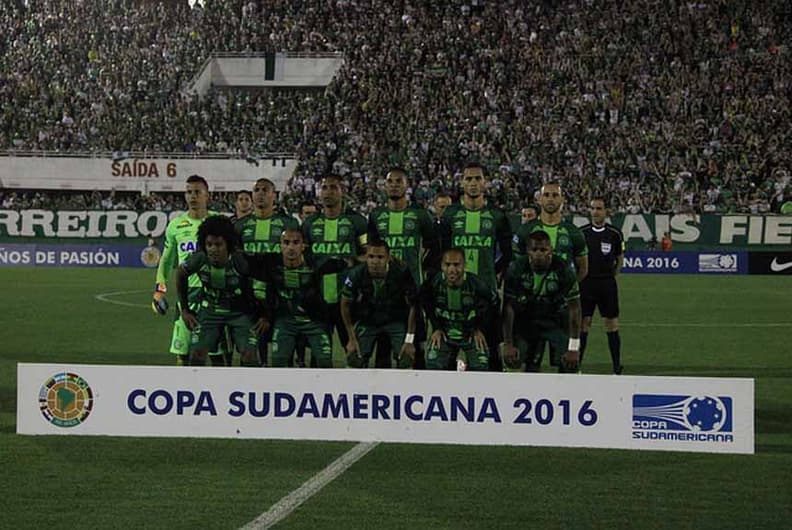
point(737, 326)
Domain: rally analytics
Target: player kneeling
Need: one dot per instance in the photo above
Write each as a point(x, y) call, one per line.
point(227, 300)
point(459, 306)
point(378, 298)
point(540, 291)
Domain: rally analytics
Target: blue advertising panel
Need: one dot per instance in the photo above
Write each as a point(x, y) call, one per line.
point(685, 262)
point(34, 255)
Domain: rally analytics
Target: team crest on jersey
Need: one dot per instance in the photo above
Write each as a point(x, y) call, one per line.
point(551, 286)
point(605, 247)
point(343, 231)
point(486, 224)
point(563, 240)
point(409, 225)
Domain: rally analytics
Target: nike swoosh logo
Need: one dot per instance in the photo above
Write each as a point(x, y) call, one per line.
point(778, 267)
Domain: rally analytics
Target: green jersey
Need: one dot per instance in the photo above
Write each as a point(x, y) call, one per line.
point(540, 297)
point(181, 240)
point(566, 239)
point(479, 233)
point(458, 311)
point(376, 302)
point(262, 236)
point(407, 233)
point(224, 289)
point(341, 239)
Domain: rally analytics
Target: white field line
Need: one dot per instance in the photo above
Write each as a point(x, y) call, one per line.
point(107, 297)
point(290, 502)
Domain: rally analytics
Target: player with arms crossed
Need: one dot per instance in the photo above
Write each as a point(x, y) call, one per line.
point(540, 290)
point(412, 239)
point(478, 228)
point(227, 300)
point(459, 306)
point(378, 299)
point(599, 288)
point(180, 242)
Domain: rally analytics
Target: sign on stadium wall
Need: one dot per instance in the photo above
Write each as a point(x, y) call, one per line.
point(713, 231)
point(45, 255)
point(642, 262)
point(643, 413)
point(138, 174)
point(707, 230)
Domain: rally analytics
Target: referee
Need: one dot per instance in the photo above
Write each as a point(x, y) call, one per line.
point(598, 289)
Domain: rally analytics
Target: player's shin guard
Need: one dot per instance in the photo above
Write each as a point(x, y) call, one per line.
point(614, 345)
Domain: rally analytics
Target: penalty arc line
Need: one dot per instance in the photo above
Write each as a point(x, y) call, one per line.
point(284, 507)
point(105, 297)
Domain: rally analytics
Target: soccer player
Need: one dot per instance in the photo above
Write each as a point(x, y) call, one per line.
point(479, 229)
point(335, 235)
point(260, 234)
point(378, 299)
point(541, 303)
point(227, 300)
point(459, 306)
point(566, 239)
point(412, 239)
point(180, 241)
point(599, 288)
point(295, 297)
point(243, 205)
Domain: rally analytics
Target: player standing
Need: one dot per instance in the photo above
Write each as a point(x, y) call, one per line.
point(478, 229)
point(181, 238)
point(260, 234)
point(411, 238)
point(599, 288)
point(335, 235)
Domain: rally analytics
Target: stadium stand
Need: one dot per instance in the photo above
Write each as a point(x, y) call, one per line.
point(664, 106)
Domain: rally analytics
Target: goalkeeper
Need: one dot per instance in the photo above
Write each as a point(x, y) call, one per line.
point(540, 291)
point(180, 242)
point(227, 296)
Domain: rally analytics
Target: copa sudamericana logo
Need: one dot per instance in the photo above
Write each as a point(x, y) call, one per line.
point(66, 400)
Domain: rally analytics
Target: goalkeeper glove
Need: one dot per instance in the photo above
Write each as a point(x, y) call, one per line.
point(159, 304)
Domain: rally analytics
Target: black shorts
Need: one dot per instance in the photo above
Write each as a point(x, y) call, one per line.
point(602, 293)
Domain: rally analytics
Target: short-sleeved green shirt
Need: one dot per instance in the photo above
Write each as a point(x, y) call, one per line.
point(566, 239)
point(477, 232)
point(540, 297)
point(341, 239)
point(224, 289)
point(262, 236)
point(407, 233)
point(458, 311)
point(376, 302)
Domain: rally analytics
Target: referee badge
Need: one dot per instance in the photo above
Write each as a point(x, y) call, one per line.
point(605, 247)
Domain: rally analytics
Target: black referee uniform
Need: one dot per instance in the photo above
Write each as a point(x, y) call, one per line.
point(599, 289)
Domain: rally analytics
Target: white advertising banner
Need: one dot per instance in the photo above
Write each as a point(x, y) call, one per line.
point(714, 415)
point(139, 174)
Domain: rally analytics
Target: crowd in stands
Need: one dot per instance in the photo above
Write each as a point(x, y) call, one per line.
point(665, 106)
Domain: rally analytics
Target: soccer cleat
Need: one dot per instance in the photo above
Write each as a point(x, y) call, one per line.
point(159, 304)
point(618, 370)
